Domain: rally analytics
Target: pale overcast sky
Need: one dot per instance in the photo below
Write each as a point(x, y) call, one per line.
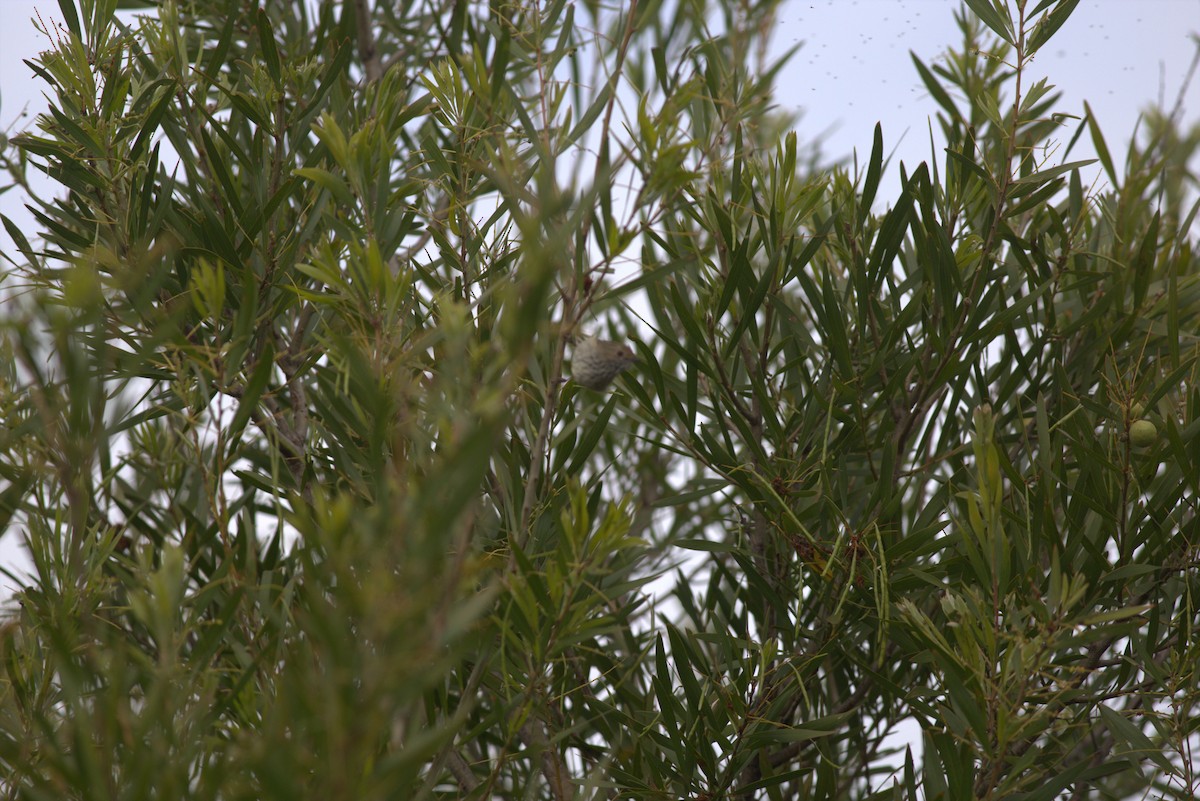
point(1120, 55)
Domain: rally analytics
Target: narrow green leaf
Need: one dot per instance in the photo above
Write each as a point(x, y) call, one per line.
point(874, 170)
point(935, 88)
point(590, 115)
point(587, 444)
point(684, 655)
point(18, 238)
point(1101, 147)
point(1113, 615)
point(1053, 788)
point(890, 237)
point(1137, 744)
point(335, 72)
point(334, 184)
point(708, 546)
point(1048, 25)
point(989, 16)
point(1045, 175)
point(974, 169)
point(78, 134)
point(153, 120)
point(765, 735)
point(749, 310)
point(266, 39)
point(740, 277)
point(70, 17)
point(795, 267)
point(1143, 261)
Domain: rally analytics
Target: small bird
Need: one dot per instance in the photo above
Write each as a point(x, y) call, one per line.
point(596, 362)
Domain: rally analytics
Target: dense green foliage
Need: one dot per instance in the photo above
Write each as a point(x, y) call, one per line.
point(314, 515)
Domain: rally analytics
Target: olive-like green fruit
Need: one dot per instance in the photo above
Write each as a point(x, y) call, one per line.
point(1136, 411)
point(1143, 433)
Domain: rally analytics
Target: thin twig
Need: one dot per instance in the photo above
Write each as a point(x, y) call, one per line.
point(367, 51)
point(553, 769)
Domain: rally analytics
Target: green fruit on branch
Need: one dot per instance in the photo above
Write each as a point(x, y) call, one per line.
point(1143, 433)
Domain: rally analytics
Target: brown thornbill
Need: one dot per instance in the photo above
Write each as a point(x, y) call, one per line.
point(595, 362)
